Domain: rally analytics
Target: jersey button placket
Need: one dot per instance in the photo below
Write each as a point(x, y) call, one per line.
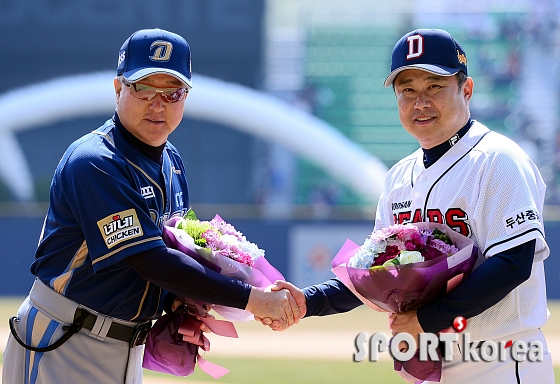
point(167, 178)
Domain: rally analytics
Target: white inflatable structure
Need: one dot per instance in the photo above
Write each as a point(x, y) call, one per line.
point(232, 105)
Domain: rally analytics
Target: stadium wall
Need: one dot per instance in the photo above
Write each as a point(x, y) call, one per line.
point(301, 250)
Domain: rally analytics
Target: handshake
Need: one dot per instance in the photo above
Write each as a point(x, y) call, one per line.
point(279, 306)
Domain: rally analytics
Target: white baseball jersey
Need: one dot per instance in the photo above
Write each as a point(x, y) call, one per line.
point(486, 188)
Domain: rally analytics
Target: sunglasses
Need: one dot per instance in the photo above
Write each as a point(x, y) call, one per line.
point(146, 92)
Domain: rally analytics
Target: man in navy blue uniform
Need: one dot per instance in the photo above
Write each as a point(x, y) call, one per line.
point(103, 270)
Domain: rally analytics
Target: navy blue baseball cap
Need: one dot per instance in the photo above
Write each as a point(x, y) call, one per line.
point(431, 50)
point(150, 51)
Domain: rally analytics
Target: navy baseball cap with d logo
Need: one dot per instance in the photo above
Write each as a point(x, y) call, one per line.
point(432, 50)
point(150, 51)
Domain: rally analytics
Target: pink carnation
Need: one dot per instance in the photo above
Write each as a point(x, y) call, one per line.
point(443, 247)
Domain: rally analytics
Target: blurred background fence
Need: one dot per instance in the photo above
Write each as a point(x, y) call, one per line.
point(325, 58)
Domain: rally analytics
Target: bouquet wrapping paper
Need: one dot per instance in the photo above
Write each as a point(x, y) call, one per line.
point(175, 340)
point(401, 288)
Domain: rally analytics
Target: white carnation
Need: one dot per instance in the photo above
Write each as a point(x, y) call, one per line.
point(229, 239)
point(252, 249)
point(362, 259)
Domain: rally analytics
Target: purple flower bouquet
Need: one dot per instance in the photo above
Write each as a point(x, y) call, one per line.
point(404, 267)
point(173, 343)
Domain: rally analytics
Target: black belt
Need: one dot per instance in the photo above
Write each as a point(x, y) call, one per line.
point(134, 336)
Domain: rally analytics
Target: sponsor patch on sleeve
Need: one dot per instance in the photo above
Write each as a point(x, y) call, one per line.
point(520, 219)
point(119, 227)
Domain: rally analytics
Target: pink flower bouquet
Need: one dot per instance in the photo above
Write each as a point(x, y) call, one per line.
point(404, 267)
point(173, 343)
point(219, 246)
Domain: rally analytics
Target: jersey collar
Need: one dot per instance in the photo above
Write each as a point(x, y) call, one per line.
point(434, 154)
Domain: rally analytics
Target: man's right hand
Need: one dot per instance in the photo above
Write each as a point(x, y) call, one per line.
point(297, 295)
point(278, 305)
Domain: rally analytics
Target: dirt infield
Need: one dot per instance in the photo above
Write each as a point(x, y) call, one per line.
point(293, 343)
point(327, 338)
point(320, 344)
point(323, 345)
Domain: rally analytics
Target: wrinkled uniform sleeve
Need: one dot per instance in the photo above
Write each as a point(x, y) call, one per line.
point(329, 298)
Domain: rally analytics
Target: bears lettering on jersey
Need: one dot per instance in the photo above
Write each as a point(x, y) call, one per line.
point(455, 218)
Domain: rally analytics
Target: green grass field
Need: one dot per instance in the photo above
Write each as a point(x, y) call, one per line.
point(281, 371)
point(249, 370)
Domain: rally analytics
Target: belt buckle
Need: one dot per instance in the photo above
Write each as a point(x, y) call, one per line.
point(140, 334)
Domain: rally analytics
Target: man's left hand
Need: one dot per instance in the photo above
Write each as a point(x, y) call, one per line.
point(405, 322)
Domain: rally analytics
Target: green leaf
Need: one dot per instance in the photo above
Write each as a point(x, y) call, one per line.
point(190, 215)
point(394, 261)
point(201, 242)
point(180, 224)
point(441, 236)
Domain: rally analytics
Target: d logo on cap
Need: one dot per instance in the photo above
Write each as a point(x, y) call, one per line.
point(415, 41)
point(163, 50)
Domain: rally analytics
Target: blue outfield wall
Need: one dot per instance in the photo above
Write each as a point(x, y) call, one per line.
point(284, 241)
point(18, 241)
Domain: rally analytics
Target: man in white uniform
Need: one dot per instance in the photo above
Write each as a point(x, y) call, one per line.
point(482, 185)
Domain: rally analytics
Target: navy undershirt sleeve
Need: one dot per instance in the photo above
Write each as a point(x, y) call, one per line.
point(178, 273)
point(484, 287)
point(329, 298)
